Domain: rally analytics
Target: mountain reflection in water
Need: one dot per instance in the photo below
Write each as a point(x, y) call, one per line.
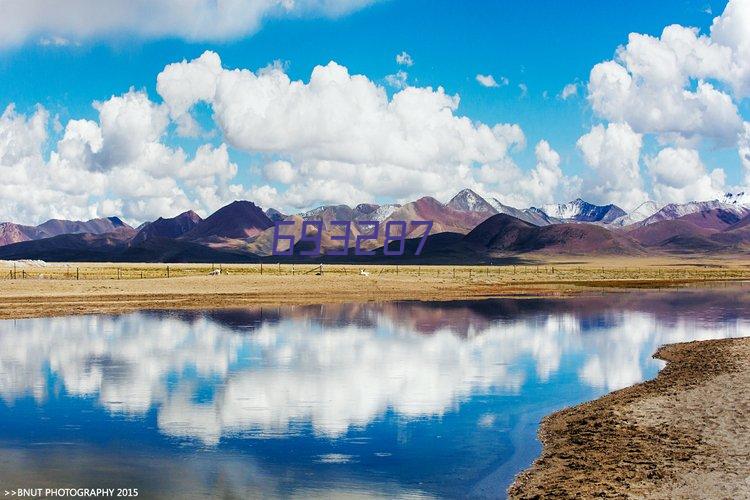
point(319, 377)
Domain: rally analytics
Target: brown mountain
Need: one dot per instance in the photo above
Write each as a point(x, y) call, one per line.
point(173, 227)
point(71, 247)
point(718, 219)
point(55, 227)
point(705, 231)
point(15, 233)
point(445, 218)
point(505, 234)
point(737, 235)
point(238, 220)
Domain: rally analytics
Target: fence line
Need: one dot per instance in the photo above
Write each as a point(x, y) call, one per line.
point(490, 272)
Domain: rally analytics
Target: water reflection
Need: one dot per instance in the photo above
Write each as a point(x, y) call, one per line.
point(329, 372)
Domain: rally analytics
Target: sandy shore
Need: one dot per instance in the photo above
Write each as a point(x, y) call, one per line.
point(681, 435)
point(107, 288)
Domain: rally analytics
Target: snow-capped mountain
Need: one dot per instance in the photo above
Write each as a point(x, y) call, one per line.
point(641, 212)
point(530, 215)
point(469, 201)
point(583, 211)
point(738, 199)
point(674, 210)
point(383, 212)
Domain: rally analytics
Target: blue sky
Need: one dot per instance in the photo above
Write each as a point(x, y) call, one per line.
point(541, 45)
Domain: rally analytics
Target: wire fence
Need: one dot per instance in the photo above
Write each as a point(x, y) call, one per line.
point(558, 272)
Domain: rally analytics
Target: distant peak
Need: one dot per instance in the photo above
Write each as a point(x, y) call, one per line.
point(468, 200)
point(241, 202)
point(116, 221)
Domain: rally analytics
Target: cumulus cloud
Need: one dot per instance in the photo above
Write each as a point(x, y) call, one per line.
point(679, 176)
point(663, 85)
point(744, 151)
point(546, 181)
point(613, 153)
point(340, 133)
point(487, 80)
point(397, 80)
point(279, 171)
point(730, 30)
point(404, 59)
point(196, 20)
point(117, 162)
point(570, 90)
point(304, 369)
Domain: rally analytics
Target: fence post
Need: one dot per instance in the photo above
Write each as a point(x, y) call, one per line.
point(77, 273)
point(167, 271)
point(261, 268)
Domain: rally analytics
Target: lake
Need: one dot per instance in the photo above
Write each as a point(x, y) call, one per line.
point(408, 399)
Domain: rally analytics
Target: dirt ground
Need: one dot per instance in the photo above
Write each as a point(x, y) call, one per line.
point(681, 435)
point(56, 289)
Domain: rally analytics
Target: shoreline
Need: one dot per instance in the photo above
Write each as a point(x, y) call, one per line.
point(53, 298)
point(682, 434)
point(108, 288)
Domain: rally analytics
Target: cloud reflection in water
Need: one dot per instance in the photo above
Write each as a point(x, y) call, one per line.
point(269, 372)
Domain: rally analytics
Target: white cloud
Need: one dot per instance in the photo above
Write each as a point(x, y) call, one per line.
point(744, 151)
point(404, 59)
point(279, 171)
point(730, 30)
point(195, 20)
point(543, 183)
point(524, 89)
point(569, 90)
point(340, 132)
point(667, 85)
point(55, 41)
point(613, 152)
point(397, 80)
point(130, 125)
point(487, 80)
point(679, 176)
point(331, 377)
point(117, 162)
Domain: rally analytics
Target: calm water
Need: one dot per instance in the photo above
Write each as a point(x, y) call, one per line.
point(382, 400)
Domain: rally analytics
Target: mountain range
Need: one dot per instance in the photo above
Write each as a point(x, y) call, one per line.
point(468, 228)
